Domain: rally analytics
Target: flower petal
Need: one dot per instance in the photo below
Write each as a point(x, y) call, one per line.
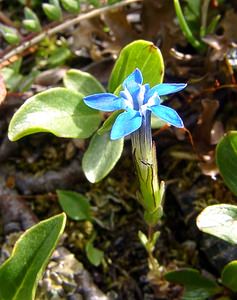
point(126, 123)
point(104, 102)
point(132, 81)
point(153, 100)
point(166, 88)
point(167, 114)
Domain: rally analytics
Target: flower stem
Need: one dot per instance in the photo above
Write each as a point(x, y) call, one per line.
point(151, 193)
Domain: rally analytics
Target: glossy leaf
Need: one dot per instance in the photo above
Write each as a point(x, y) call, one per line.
point(31, 21)
point(139, 54)
point(226, 159)
point(75, 205)
point(101, 156)
point(59, 111)
point(197, 286)
point(94, 254)
point(20, 273)
point(82, 82)
point(229, 275)
point(219, 220)
point(72, 6)
point(53, 10)
point(10, 34)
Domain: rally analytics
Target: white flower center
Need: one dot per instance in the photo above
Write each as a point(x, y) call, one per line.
point(128, 97)
point(140, 96)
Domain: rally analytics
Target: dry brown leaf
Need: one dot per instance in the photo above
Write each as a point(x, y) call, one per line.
point(3, 91)
point(202, 133)
point(220, 44)
point(158, 20)
point(122, 30)
point(229, 20)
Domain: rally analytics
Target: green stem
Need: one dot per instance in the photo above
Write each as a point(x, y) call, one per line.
point(185, 28)
point(152, 261)
point(203, 28)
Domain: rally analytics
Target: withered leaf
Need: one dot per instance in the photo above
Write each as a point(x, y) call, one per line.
point(3, 91)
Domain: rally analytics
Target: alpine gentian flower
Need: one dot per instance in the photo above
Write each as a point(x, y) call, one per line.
point(136, 99)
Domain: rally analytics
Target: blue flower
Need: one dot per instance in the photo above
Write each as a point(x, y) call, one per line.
point(136, 99)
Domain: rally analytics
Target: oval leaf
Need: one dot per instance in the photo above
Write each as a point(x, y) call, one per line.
point(20, 273)
point(53, 12)
point(59, 111)
point(197, 286)
point(101, 156)
point(219, 220)
point(226, 159)
point(108, 123)
point(229, 275)
point(139, 54)
point(75, 205)
point(94, 254)
point(31, 21)
point(10, 34)
point(82, 82)
point(72, 6)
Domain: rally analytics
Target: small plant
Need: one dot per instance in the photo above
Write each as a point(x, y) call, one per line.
point(20, 273)
point(73, 112)
point(193, 21)
point(219, 220)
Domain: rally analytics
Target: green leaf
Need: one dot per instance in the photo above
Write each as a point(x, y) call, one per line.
point(75, 205)
point(197, 286)
point(143, 238)
point(31, 21)
point(11, 79)
point(10, 34)
point(30, 25)
point(59, 111)
point(229, 275)
point(59, 56)
point(139, 54)
point(226, 159)
point(213, 24)
point(108, 123)
point(101, 156)
point(94, 255)
point(53, 12)
point(192, 10)
point(82, 82)
point(16, 66)
point(95, 3)
point(20, 273)
point(219, 220)
point(72, 6)
point(197, 294)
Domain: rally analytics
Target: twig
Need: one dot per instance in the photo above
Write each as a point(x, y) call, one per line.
point(204, 12)
point(61, 27)
point(4, 19)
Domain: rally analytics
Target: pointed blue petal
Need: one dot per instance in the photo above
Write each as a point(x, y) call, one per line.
point(168, 115)
point(104, 102)
point(132, 82)
point(134, 77)
point(126, 123)
point(166, 88)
